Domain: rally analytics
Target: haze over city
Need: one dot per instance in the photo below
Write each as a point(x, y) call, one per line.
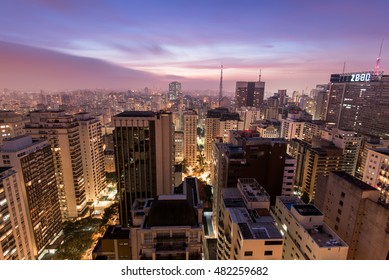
point(103, 44)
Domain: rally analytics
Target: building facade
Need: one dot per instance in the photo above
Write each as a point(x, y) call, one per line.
point(353, 210)
point(169, 227)
point(33, 161)
point(93, 161)
point(358, 102)
point(249, 94)
point(190, 137)
point(16, 242)
point(62, 132)
point(144, 157)
point(307, 236)
point(246, 231)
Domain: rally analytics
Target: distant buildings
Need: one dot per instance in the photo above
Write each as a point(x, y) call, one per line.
point(190, 137)
point(249, 94)
point(249, 115)
point(144, 157)
point(217, 124)
point(359, 102)
point(11, 125)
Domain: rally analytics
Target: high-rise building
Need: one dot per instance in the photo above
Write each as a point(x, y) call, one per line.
point(368, 143)
point(292, 129)
point(249, 94)
point(91, 144)
point(359, 102)
point(62, 132)
point(178, 146)
point(15, 235)
point(313, 159)
point(228, 122)
point(320, 95)
point(249, 157)
point(352, 209)
point(174, 90)
point(144, 157)
point(190, 137)
point(169, 227)
point(175, 97)
point(307, 236)
point(11, 125)
point(249, 115)
point(217, 124)
point(376, 172)
point(282, 96)
point(246, 230)
point(33, 161)
point(349, 142)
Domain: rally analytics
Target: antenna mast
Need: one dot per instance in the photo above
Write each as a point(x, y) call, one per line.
point(221, 85)
point(378, 61)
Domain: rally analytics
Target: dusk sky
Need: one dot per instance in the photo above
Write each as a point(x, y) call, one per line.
point(56, 45)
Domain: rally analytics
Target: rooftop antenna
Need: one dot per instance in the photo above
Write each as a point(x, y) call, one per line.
point(378, 61)
point(260, 74)
point(344, 67)
point(221, 85)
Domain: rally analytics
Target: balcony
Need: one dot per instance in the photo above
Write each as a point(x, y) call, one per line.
point(174, 238)
point(175, 247)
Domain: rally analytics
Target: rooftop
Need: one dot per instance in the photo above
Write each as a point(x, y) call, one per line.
point(252, 190)
point(351, 179)
point(324, 237)
point(164, 213)
point(307, 210)
point(139, 114)
point(116, 232)
point(289, 201)
point(384, 151)
point(261, 230)
point(216, 113)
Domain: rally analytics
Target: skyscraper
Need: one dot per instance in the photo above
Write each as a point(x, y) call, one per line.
point(91, 144)
point(62, 132)
point(174, 90)
point(217, 124)
point(359, 102)
point(144, 157)
point(190, 137)
point(15, 235)
point(33, 161)
point(249, 94)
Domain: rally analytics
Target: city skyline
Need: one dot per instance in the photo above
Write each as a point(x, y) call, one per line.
point(69, 45)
